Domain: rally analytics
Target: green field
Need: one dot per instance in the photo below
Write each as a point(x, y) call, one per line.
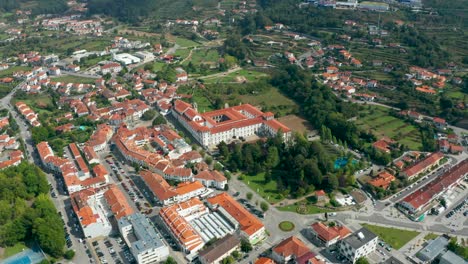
point(74, 79)
point(5, 89)
point(310, 209)
point(268, 191)
point(10, 251)
point(9, 72)
point(183, 53)
point(378, 120)
point(430, 236)
point(183, 42)
point(209, 56)
point(204, 105)
point(272, 97)
point(34, 100)
point(250, 76)
point(395, 237)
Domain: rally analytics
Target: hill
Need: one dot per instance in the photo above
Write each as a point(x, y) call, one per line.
point(138, 10)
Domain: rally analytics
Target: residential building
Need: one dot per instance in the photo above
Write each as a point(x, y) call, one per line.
point(111, 68)
point(250, 227)
point(142, 239)
point(384, 144)
point(212, 178)
point(74, 180)
point(359, 244)
point(383, 180)
point(417, 203)
point(422, 166)
point(167, 194)
point(130, 144)
point(291, 250)
point(94, 207)
point(226, 124)
point(329, 235)
point(219, 250)
point(263, 260)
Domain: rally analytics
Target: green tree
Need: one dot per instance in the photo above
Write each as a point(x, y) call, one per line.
point(362, 260)
point(246, 247)
point(264, 206)
point(159, 120)
point(148, 115)
point(249, 196)
point(228, 260)
point(272, 159)
point(170, 260)
point(69, 254)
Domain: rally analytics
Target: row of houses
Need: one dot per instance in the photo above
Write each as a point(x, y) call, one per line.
point(28, 114)
point(420, 201)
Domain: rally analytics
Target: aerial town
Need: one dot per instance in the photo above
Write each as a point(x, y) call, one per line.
point(218, 132)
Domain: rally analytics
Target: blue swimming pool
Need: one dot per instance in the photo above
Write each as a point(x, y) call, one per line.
point(341, 162)
point(29, 256)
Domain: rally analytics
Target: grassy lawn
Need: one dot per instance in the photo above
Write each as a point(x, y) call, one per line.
point(183, 42)
point(286, 226)
point(5, 89)
point(9, 72)
point(395, 237)
point(203, 56)
point(10, 251)
point(34, 100)
point(431, 236)
point(272, 97)
point(267, 191)
point(309, 209)
point(183, 53)
point(73, 79)
point(378, 120)
point(250, 76)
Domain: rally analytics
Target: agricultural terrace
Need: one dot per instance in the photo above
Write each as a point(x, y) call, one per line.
point(378, 120)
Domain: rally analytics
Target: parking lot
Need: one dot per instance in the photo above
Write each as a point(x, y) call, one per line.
point(112, 250)
point(253, 209)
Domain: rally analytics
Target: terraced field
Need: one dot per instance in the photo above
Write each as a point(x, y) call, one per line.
point(381, 123)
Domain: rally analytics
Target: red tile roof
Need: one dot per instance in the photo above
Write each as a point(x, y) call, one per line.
point(424, 195)
point(291, 246)
point(160, 188)
point(248, 223)
point(382, 180)
point(264, 260)
point(211, 175)
point(418, 167)
point(117, 202)
point(328, 233)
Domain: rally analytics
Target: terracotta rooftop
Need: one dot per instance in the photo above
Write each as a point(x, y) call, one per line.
point(248, 223)
point(291, 246)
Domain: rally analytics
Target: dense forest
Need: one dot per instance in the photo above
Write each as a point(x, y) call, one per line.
point(26, 212)
point(40, 6)
point(134, 11)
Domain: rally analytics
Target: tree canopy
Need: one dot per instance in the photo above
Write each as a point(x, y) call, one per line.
point(20, 186)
